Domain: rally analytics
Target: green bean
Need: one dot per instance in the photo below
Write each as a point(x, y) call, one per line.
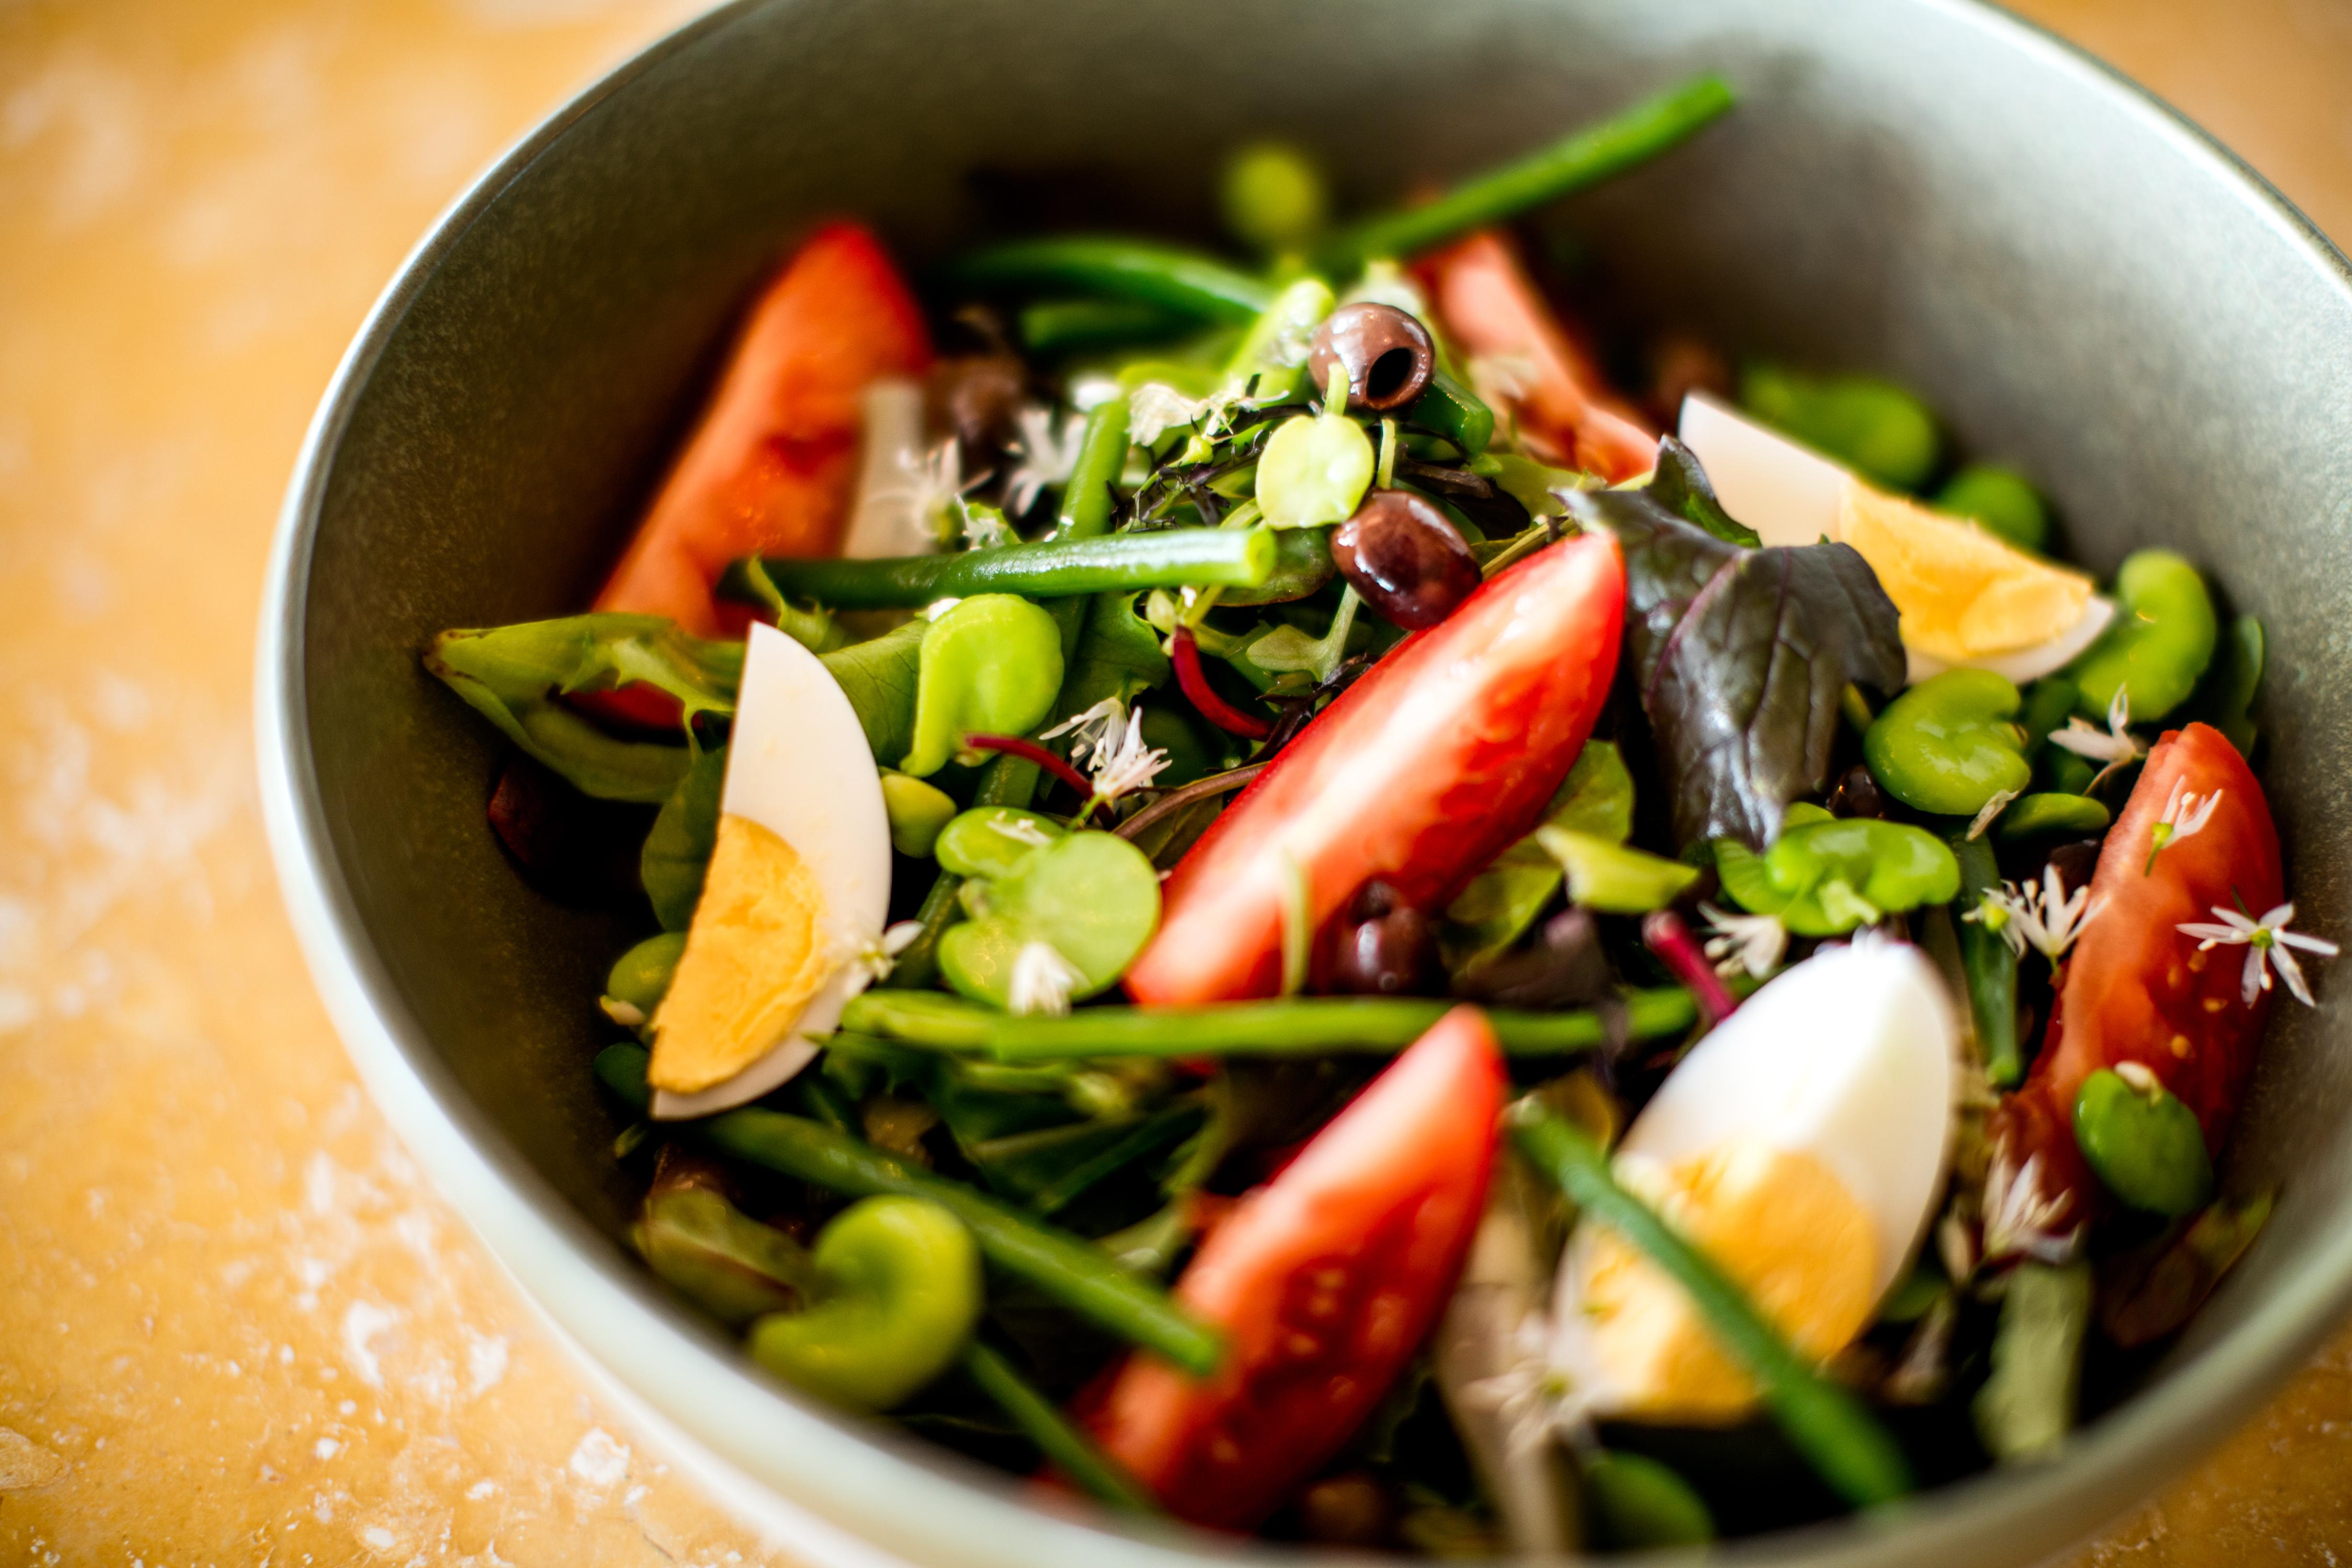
point(1990, 963)
point(1065, 1446)
point(1125, 268)
point(1583, 158)
point(1071, 1270)
point(1086, 500)
point(1831, 1428)
point(1047, 569)
point(1301, 1025)
point(1059, 326)
point(1448, 409)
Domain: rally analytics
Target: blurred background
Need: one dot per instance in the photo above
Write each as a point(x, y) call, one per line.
point(235, 1325)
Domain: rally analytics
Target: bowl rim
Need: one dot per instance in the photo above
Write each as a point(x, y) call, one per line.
point(577, 1280)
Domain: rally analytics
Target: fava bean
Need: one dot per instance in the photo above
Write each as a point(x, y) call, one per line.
point(898, 1291)
point(1273, 197)
point(2053, 811)
point(640, 977)
point(992, 665)
point(1060, 924)
point(1314, 471)
point(2001, 500)
point(917, 811)
point(2157, 646)
point(2142, 1142)
point(1947, 745)
point(1872, 426)
point(721, 1259)
point(990, 840)
point(1827, 877)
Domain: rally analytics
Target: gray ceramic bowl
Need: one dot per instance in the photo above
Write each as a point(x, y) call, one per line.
point(2077, 279)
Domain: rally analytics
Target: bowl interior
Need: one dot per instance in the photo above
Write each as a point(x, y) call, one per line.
point(1927, 190)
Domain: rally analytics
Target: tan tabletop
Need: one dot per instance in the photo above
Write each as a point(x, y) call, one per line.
point(235, 1325)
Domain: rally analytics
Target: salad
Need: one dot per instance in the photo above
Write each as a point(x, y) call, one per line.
point(1324, 890)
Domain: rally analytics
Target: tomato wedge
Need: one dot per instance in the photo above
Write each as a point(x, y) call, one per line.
point(770, 468)
point(1443, 754)
point(1324, 1282)
point(2136, 990)
point(1490, 308)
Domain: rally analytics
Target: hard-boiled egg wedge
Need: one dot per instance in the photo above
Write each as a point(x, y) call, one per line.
point(1801, 1146)
point(797, 890)
point(1966, 597)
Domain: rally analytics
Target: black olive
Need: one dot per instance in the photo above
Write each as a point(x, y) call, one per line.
point(1382, 946)
point(1387, 355)
point(978, 398)
point(1857, 794)
point(1406, 559)
point(1562, 967)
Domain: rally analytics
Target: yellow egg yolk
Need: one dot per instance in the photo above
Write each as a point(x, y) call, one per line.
point(1788, 1232)
point(755, 956)
point(1962, 593)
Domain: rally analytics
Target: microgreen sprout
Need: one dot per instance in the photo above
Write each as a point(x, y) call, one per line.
point(1049, 453)
point(2186, 812)
point(2266, 942)
point(2116, 747)
point(1042, 980)
point(1756, 943)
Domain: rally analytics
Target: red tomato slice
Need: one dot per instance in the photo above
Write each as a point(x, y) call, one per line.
point(1490, 308)
point(2136, 989)
point(1441, 756)
point(1324, 1282)
point(770, 468)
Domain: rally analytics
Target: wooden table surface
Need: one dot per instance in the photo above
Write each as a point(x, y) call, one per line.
point(235, 1325)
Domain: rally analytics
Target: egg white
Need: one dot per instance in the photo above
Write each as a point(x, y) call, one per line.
point(799, 765)
point(1789, 495)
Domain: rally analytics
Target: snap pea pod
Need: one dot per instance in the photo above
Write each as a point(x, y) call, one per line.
point(1066, 1448)
point(1989, 964)
point(1831, 1428)
point(513, 675)
point(1047, 569)
point(1071, 1270)
point(1125, 268)
point(1300, 1025)
point(1583, 158)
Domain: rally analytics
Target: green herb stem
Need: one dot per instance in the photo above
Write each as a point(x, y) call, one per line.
point(1046, 568)
point(1302, 1025)
point(1585, 158)
point(1070, 1269)
point(1065, 1446)
point(1182, 280)
point(1831, 1428)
